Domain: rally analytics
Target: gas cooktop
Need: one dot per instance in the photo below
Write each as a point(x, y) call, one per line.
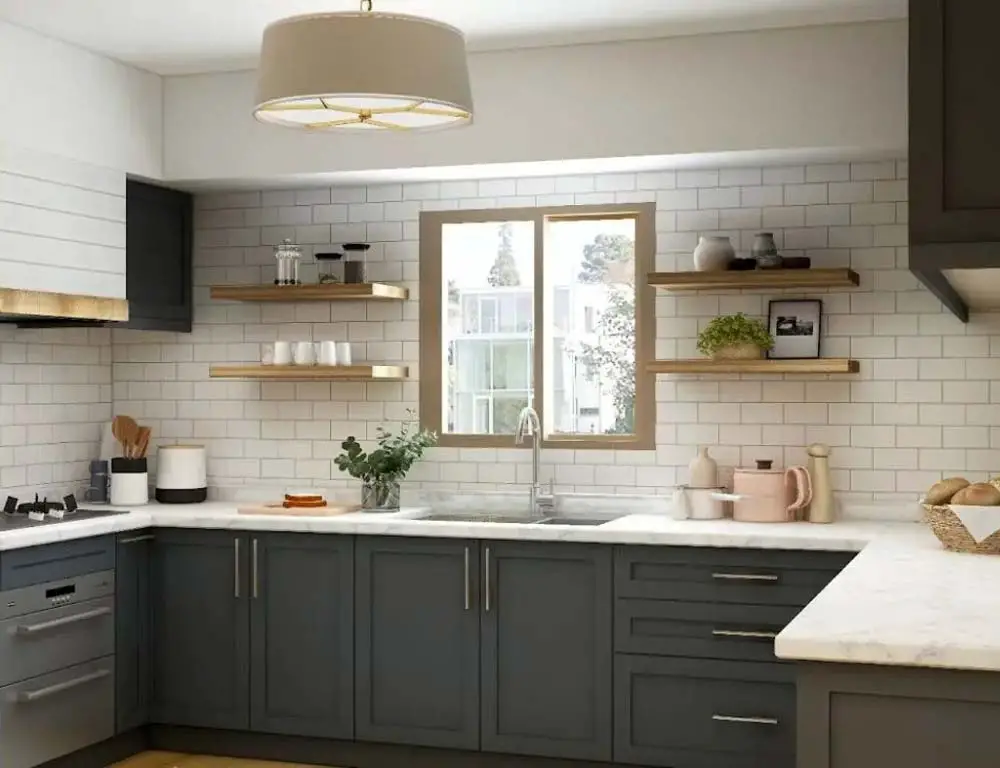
point(44, 512)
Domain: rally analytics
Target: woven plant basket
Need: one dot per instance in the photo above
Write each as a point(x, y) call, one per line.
point(955, 537)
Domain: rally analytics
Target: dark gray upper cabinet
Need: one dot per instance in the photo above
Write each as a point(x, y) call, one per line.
point(200, 628)
point(158, 275)
point(954, 155)
point(132, 630)
point(417, 641)
point(302, 634)
point(546, 649)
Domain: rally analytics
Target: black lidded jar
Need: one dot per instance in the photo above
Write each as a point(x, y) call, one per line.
point(354, 265)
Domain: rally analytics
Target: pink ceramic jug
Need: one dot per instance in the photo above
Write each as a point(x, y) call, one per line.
point(766, 495)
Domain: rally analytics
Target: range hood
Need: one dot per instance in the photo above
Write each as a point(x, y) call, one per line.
point(23, 306)
point(964, 276)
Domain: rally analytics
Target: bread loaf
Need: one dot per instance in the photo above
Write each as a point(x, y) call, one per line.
point(942, 492)
point(978, 495)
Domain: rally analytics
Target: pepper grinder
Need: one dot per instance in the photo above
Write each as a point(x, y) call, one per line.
point(821, 510)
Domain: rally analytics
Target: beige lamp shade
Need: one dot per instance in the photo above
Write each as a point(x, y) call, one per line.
point(363, 71)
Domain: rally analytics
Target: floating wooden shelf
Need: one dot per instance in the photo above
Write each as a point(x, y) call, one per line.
point(706, 365)
point(311, 372)
point(312, 292)
point(755, 279)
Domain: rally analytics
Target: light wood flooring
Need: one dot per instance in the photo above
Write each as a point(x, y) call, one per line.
point(178, 760)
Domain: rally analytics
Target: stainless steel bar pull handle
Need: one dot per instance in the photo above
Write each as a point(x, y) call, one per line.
point(468, 587)
point(747, 720)
point(26, 697)
point(254, 567)
point(236, 568)
point(487, 573)
point(744, 633)
point(745, 576)
point(137, 539)
point(31, 629)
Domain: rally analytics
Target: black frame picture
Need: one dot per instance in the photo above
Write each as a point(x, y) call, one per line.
point(796, 325)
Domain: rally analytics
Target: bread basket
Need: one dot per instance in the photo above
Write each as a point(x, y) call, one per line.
point(953, 534)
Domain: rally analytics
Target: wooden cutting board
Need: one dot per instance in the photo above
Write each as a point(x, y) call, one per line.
point(331, 509)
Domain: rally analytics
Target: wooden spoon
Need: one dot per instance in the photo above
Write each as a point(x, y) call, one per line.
point(118, 430)
point(127, 434)
point(142, 442)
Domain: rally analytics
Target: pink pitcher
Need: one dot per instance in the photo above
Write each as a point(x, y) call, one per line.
point(766, 495)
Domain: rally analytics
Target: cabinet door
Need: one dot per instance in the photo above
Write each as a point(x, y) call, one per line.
point(954, 155)
point(158, 267)
point(302, 634)
point(200, 629)
point(132, 627)
point(417, 641)
point(546, 650)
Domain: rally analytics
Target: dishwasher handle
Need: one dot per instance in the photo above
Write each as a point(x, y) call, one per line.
point(26, 697)
point(34, 629)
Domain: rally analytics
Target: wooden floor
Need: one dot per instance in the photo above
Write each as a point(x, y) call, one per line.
point(178, 760)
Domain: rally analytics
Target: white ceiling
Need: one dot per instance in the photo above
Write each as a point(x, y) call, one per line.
point(187, 36)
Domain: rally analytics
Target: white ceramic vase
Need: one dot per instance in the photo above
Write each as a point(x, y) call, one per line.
point(713, 254)
point(703, 472)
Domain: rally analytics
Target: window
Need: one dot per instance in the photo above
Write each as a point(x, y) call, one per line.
point(546, 307)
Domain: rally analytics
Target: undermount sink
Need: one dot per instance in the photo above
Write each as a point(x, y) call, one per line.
point(514, 518)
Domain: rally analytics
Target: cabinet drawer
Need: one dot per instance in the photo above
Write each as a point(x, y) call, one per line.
point(59, 637)
point(52, 715)
point(51, 562)
point(704, 714)
point(758, 577)
point(703, 630)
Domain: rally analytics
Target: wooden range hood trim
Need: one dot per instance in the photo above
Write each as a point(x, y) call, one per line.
point(22, 303)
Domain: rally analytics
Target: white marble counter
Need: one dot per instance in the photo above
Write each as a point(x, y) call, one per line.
point(849, 536)
point(904, 600)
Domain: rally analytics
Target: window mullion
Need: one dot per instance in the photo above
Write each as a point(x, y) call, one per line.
point(538, 327)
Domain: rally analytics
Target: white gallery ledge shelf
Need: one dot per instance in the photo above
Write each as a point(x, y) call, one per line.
point(829, 365)
point(755, 279)
point(361, 372)
point(312, 292)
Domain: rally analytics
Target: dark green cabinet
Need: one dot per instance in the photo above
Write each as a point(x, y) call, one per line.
point(547, 649)
point(302, 634)
point(417, 641)
point(200, 628)
point(132, 630)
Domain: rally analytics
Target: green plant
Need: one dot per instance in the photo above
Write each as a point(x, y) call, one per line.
point(391, 460)
point(733, 330)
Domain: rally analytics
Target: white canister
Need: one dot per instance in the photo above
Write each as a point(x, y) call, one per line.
point(129, 482)
point(181, 474)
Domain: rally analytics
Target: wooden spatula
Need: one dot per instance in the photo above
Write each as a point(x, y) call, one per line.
point(126, 432)
point(142, 442)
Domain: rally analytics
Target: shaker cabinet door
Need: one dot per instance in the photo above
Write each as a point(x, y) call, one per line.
point(132, 629)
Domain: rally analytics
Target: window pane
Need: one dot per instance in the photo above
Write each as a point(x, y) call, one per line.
point(488, 279)
point(590, 361)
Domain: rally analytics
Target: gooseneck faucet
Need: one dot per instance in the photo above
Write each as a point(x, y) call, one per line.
point(529, 425)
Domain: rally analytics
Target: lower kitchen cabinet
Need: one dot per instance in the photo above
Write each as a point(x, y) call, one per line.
point(302, 634)
point(865, 716)
point(688, 713)
point(200, 629)
point(132, 629)
point(546, 649)
point(417, 641)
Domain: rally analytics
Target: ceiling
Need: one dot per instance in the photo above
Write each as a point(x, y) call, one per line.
point(189, 36)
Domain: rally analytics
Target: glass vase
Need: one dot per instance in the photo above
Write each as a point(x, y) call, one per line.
point(381, 496)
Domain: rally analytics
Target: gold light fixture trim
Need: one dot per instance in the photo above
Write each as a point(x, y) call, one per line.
point(363, 71)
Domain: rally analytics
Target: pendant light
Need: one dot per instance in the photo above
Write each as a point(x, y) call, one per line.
point(363, 71)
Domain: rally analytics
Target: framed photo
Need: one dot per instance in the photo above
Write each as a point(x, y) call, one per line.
point(795, 326)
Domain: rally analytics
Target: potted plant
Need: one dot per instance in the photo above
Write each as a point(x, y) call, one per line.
point(381, 470)
point(735, 337)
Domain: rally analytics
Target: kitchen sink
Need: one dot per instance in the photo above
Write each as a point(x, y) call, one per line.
point(571, 520)
point(510, 517)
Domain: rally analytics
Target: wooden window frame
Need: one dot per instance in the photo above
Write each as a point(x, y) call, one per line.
point(432, 325)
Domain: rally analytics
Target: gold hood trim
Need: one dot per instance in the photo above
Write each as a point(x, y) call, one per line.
point(61, 305)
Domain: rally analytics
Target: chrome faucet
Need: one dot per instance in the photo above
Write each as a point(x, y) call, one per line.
point(528, 425)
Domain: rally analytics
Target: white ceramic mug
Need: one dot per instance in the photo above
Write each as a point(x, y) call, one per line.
point(343, 353)
point(305, 353)
point(326, 352)
point(282, 353)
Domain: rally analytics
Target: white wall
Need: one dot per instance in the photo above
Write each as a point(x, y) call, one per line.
point(67, 101)
point(809, 88)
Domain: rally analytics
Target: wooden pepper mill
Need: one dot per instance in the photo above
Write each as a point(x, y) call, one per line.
point(821, 510)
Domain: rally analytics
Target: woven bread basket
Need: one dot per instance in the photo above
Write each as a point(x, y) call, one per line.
point(955, 537)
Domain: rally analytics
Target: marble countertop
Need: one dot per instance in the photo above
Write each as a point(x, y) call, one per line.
point(849, 536)
point(904, 601)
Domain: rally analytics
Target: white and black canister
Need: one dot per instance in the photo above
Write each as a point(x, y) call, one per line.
point(181, 474)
